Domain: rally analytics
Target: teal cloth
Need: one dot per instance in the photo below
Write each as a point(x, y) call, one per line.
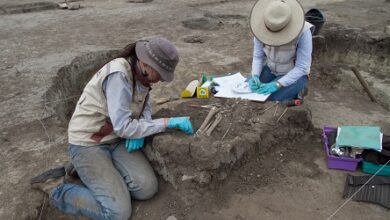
point(363, 137)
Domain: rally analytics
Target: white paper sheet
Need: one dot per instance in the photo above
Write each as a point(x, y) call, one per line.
point(226, 85)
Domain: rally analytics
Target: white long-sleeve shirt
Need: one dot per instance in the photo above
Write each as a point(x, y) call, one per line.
point(118, 92)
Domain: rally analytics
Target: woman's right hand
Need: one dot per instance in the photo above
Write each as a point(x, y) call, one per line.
point(254, 83)
point(182, 123)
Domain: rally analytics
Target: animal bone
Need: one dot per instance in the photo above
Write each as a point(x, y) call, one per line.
point(218, 119)
point(202, 128)
point(280, 117)
point(226, 131)
point(268, 108)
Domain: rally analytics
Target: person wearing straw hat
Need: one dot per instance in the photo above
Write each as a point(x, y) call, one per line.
point(282, 49)
point(108, 126)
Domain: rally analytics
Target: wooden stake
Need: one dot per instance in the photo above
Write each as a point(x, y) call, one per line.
point(363, 83)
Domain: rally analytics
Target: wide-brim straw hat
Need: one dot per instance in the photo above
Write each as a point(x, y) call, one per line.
point(160, 54)
point(277, 22)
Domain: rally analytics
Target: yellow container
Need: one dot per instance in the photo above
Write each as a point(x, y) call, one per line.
point(202, 92)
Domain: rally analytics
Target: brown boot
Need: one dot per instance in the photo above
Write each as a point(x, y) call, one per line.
point(48, 185)
point(48, 179)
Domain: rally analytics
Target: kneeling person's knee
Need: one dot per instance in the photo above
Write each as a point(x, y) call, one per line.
point(118, 210)
point(148, 187)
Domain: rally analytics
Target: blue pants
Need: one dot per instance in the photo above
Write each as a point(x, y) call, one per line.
point(286, 93)
point(111, 176)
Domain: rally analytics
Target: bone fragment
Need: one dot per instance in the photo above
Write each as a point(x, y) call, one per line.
point(268, 108)
point(226, 132)
point(208, 126)
point(276, 110)
point(280, 117)
point(218, 119)
point(209, 116)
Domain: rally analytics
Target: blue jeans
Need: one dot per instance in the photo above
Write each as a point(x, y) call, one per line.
point(110, 176)
point(286, 93)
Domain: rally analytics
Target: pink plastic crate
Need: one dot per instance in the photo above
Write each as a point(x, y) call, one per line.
point(334, 162)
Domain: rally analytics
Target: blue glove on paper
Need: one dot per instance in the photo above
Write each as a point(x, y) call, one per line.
point(254, 83)
point(182, 123)
point(268, 88)
point(134, 144)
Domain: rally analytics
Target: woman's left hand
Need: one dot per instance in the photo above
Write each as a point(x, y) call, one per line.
point(268, 88)
point(134, 144)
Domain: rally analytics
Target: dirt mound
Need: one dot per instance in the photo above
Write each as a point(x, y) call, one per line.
point(70, 81)
point(200, 161)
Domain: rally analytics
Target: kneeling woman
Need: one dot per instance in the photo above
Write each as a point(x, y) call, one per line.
point(108, 126)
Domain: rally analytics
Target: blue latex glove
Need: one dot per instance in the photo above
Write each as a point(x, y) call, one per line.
point(134, 144)
point(182, 123)
point(268, 88)
point(254, 83)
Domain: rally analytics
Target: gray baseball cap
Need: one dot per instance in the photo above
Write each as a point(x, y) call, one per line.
point(160, 54)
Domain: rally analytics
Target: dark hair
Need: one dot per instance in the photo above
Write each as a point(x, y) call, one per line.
point(127, 51)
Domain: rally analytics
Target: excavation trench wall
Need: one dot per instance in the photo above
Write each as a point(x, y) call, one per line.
point(338, 48)
point(7, 9)
point(71, 79)
point(352, 46)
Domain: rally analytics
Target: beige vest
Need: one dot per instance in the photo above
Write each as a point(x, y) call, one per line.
point(281, 59)
point(90, 124)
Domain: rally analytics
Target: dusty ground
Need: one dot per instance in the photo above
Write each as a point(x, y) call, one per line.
point(34, 46)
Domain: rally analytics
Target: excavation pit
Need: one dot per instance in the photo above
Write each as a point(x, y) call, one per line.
point(7, 9)
point(205, 161)
point(203, 23)
point(339, 48)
